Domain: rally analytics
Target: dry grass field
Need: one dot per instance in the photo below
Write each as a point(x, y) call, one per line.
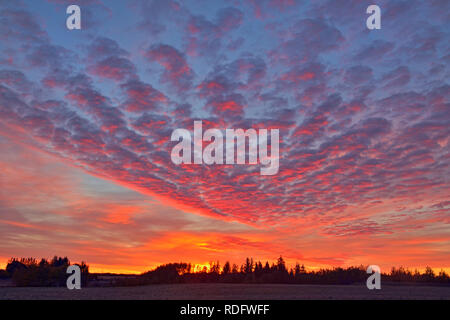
point(229, 292)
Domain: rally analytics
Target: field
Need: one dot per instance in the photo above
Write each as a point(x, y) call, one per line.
point(229, 292)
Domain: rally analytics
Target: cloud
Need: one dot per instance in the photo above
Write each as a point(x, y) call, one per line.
point(102, 47)
point(204, 37)
point(176, 70)
point(113, 68)
point(142, 97)
point(301, 46)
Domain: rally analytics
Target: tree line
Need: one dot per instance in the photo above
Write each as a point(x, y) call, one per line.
point(30, 272)
point(258, 272)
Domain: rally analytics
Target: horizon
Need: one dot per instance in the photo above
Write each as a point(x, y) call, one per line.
point(86, 118)
point(200, 266)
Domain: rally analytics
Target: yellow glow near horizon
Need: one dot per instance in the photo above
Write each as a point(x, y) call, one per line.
point(113, 269)
point(199, 267)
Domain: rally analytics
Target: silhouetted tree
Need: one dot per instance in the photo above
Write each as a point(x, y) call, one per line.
point(226, 268)
point(28, 272)
point(214, 267)
point(13, 265)
point(266, 267)
point(281, 265)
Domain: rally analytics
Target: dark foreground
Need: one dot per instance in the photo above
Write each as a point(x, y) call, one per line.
point(229, 292)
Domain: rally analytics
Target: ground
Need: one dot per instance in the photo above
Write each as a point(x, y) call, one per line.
point(230, 292)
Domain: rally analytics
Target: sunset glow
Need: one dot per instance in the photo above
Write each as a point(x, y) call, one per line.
point(86, 118)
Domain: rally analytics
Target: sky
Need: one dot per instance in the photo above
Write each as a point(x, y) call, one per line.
point(86, 118)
